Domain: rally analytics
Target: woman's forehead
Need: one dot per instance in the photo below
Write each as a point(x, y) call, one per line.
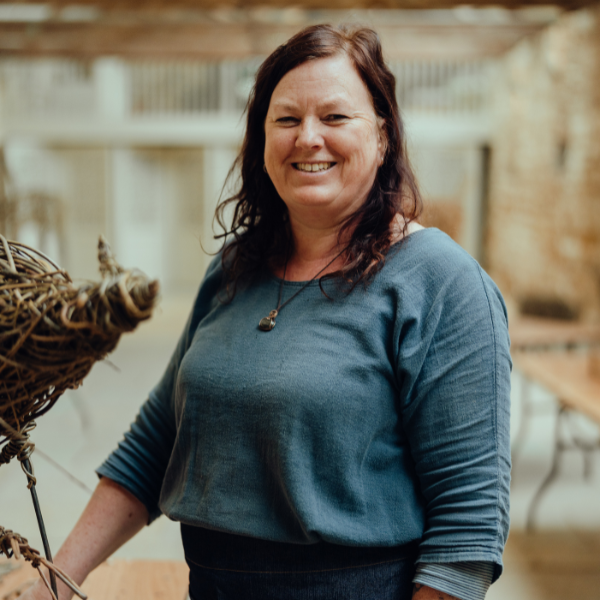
point(324, 103)
point(325, 82)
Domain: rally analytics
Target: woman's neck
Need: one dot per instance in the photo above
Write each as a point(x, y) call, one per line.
point(313, 249)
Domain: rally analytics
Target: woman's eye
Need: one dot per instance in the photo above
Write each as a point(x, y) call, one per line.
point(335, 117)
point(287, 120)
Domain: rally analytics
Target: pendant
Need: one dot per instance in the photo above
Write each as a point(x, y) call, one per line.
point(267, 323)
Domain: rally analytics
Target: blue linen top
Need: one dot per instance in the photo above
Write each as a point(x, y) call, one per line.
point(373, 418)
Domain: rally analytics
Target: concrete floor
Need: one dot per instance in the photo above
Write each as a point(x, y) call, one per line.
point(560, 561)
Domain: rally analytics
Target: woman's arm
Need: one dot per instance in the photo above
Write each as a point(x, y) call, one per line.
point(423, 592)
point(111, 518)
point(455, 374)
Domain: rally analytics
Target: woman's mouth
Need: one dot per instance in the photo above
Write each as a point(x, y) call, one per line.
point(313, 167)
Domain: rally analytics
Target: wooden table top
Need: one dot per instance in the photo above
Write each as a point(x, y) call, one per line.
point(566, 374)
point(113, 580)
point(537, 332)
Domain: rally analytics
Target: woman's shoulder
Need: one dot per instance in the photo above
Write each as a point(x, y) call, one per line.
point(440, 289)
point(432, 253)
point(429, 267)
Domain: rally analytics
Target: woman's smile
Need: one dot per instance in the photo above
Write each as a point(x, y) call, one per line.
point(313, 167)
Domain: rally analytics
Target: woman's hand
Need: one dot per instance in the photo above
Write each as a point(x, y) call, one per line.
point(424, 592)
point(111, 518)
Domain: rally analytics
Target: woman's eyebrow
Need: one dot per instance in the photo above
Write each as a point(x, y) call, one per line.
point(336, 102)
point(284, 105)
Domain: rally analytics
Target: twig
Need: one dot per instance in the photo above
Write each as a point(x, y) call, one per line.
point(14, 545)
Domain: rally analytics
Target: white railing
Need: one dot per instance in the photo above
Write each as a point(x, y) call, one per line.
point(47, 88)
point(190, 87)
point(443, 87)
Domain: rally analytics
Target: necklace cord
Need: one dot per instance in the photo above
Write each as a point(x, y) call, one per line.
point(267, 323)
point(279, 305)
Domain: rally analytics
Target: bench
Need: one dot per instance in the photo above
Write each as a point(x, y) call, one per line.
point(568, 376)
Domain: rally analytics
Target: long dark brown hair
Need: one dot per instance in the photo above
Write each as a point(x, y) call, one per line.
point(259, 233)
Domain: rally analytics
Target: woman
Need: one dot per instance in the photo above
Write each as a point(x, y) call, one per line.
point(337, 407)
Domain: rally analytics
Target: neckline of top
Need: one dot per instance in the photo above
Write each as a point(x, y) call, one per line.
point(310, 283)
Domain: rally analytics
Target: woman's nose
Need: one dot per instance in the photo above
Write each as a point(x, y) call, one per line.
point(309, 135)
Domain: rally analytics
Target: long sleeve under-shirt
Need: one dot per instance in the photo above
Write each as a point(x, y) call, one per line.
point(374, 418)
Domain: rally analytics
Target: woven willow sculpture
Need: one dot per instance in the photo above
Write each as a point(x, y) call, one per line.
point(14, 545)
point(52, 332)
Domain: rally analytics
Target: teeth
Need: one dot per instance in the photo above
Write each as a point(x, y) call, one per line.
point(313, 166)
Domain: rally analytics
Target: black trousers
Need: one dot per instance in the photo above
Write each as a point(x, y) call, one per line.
point(231, 567)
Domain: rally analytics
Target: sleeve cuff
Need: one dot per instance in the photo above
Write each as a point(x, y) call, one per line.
point(464, 580)
point(109, 470)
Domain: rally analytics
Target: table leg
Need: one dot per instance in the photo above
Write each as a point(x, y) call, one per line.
point(526, 411)
point(559, 447)
point(587, 446)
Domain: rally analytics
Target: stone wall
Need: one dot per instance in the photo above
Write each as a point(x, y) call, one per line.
point(543, 237)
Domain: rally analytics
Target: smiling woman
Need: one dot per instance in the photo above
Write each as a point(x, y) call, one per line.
point(324, 150)
point(360, 449)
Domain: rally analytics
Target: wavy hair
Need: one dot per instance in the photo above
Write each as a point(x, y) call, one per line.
point(259, 233)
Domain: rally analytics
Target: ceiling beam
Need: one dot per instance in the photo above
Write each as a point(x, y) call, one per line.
point(182, 29)
point(213, 42)
point(306, 4)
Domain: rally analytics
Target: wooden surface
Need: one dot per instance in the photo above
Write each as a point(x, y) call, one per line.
point(209, 30)
point(554, 564)
point(114, 580)
point(566, 374)
point(535, 332)
point(213, 41)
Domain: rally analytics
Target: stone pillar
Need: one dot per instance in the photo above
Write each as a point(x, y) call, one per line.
point(544, 216)
point(473, 201)
point(113, 101)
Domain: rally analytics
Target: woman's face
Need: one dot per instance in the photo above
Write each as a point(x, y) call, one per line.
point(323, 139)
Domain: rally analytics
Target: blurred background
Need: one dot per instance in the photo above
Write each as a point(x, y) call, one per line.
point(124, 117)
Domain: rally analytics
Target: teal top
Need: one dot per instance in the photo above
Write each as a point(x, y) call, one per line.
point(373, 418)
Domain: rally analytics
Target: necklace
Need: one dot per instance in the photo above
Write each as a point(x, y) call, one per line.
point(268, 323)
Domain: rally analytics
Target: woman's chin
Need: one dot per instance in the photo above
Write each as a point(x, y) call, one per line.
point(311, 204)
point(325, 201)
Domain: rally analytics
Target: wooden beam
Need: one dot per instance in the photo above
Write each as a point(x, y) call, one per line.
point(216, 41)
point(182, 29)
